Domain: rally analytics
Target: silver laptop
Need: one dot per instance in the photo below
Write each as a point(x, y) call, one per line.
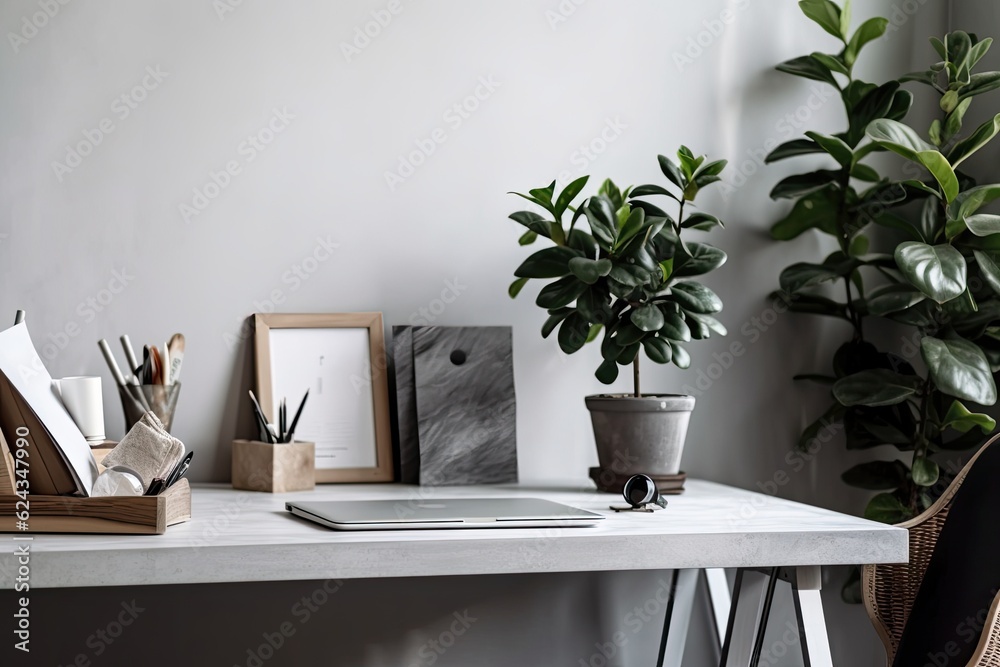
point(442, 513)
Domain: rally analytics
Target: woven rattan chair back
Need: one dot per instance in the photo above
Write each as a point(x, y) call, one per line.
point(889, 590)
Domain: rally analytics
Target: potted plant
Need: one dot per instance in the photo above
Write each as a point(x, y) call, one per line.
point(940, 278)
point(630, 276)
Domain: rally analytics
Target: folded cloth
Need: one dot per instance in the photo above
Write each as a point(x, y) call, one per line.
point(148, 450)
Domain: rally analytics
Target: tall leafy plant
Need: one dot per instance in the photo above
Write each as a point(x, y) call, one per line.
point(941, 279)
point(628, 272)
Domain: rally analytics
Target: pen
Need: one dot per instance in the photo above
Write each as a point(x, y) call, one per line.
point(112, 364)
point(179, 470)
point(129, 356)
point(295, 419)
point(265, 432)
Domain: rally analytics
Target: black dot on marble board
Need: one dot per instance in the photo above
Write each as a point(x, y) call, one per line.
point(458, 357)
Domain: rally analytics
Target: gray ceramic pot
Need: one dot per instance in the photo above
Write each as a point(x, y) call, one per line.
point(640, 435)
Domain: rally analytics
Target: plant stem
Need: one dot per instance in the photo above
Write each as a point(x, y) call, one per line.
point(635, 375)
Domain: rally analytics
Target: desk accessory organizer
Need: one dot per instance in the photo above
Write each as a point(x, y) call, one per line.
point(274, 468)
point(138, 515)
point(455, 405)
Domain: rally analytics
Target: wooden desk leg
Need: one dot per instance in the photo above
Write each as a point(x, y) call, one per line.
point(806, 586)
point(752, 596)
point(678, 617)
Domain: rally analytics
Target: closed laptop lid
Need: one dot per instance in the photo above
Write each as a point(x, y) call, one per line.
point(444, 510)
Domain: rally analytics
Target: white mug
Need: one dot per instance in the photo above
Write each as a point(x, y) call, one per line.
point(83, 398)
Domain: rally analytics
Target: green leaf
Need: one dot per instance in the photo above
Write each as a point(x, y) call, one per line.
point(901, 139)
point(809, 68)
point(793, 148)
point(892, 298)
point(674, 327)
point(953, 124)
point(701, 221)
point(876, 475)
point(802, 274)
point(516, 287)
point(815, 210)
point(876, 102)
point(982, 136)
point(560, 293)
point(607, 372)
point(826, 422)
point(800, 184)
point(569, 193)
point(680, 357)
point(825, 13)
point(532, 221)
point(960, 369)
point(971, 200)
point(628, 354)
point(868, 31)
point(961, 419)
point(981, 83)
point(925, 472)
point(628, 334)
point(657, 349)
point(886, 508)
point(590, 270)
point(527, 238)
point(603, 222)
point(696, 297)
point(990, 269)
point(634, 223)
point(863, 172)
point(710, 322)
point(573, 333)
point(859, 246)
point(652, 189)
point(671, 171)
point(555, 317)
point(875, 387)
point(832, 63)
point(983, 224)
point(547, 263)
point(979, 50)
point(835, 146)
point(647, 317)
point(702, 259)
point(938, 271)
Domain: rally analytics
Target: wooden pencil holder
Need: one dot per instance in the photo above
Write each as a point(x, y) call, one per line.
point(261, 466)
point(112, 515)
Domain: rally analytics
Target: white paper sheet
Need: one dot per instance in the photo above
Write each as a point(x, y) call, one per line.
point(335, 366)
point(24, 368)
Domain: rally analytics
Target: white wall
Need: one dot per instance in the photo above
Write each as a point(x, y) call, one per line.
point(557, 85)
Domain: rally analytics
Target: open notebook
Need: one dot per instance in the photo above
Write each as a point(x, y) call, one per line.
point(60, 462)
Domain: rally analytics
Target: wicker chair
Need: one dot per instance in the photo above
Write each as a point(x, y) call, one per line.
point(890, 590)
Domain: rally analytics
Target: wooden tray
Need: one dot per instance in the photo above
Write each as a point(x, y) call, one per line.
point(143, 515)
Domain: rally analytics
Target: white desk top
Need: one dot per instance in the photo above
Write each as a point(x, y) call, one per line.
point(244, 536)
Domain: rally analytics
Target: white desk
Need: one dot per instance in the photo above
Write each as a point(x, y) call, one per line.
point(243, 536)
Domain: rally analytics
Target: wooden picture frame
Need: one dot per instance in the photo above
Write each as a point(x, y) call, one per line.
point(374, 376)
